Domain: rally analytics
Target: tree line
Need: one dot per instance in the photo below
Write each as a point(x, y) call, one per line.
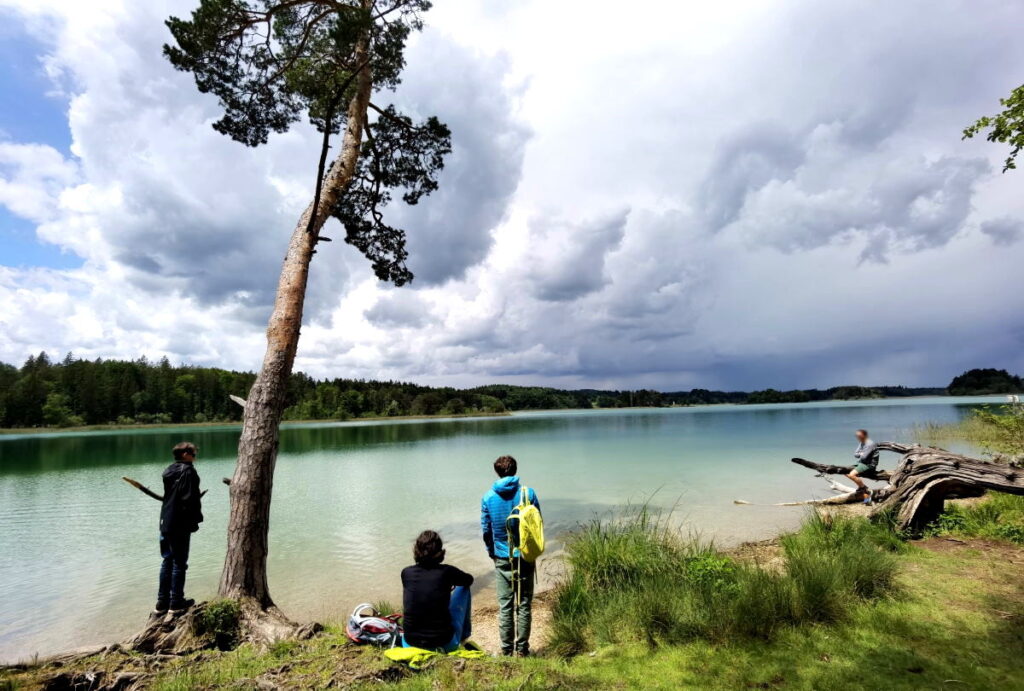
point(75, 392)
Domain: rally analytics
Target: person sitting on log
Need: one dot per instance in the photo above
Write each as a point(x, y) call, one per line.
point(180, 516)
point(867, 463)
point(435, 599)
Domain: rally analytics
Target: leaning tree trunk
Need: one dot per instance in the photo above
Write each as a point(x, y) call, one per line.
point(245, 565)
point(923, 479)
point(244, 577)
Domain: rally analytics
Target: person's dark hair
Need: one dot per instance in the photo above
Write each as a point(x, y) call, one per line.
point(428, 548)
point(864, 432)
point(505, 466)
point(182, 448)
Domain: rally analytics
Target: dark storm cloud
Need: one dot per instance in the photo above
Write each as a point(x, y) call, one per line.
point(450, 230)
point(567, 260)
point(848, 97)
point(745, 163)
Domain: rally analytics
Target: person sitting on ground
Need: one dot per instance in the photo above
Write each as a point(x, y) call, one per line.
point(435, 599)
point(180, 516)
point(867, 462)
point(514, 575)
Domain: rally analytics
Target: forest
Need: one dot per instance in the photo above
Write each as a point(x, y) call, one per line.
point(77, 392)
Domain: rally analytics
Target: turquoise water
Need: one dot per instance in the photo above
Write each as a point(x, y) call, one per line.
point(79, 546)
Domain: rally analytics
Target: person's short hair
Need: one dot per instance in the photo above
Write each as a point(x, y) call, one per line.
point(863, 431)
point(505, 466)
point(428, 548)
point(182, 448)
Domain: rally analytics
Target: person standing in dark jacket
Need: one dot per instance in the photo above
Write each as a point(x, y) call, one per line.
point(180, 516)
point(435, 599)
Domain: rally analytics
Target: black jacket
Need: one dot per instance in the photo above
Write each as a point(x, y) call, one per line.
point(427, 593)
point(182, 509)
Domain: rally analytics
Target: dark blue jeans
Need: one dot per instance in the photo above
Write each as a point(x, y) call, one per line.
point(174, 550)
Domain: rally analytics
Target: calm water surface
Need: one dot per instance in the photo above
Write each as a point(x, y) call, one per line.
point(78, 547)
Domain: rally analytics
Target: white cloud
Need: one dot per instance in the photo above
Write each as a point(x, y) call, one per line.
point(32, 177)
point(697, 194)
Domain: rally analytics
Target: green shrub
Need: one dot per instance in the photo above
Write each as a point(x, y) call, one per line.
point(1000, 517)
point(219, 619)
point(638, 579)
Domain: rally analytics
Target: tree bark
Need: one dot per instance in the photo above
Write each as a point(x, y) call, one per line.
point(245, 565)
point(924, 478)
point(825, 469)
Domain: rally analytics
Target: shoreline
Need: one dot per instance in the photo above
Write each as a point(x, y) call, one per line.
point(764, 551)
point(114, 427)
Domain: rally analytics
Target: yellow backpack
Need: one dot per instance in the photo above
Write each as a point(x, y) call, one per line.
point(525, 527)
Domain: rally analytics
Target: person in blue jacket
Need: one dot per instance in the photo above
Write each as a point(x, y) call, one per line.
point(514, 575)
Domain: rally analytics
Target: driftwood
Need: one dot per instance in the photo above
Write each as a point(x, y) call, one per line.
point(824, 469)
point(922, 481)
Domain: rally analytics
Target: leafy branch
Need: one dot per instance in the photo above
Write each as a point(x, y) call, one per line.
point(1006, 127)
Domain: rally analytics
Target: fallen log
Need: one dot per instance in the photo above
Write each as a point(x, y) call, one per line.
point(825, 469)
point(925, 477)
point(922, 481)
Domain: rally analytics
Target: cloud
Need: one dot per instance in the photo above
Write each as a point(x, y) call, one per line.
point(451, 230)
point(32, 177)
point(566, 260)
point(398, 309)
point(748, 197)
point(1004, 231)
point(826, 190)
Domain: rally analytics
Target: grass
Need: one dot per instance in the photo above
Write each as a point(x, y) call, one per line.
point(845, 605)
point(999, 517)
point(218, 620)
point(636, 580)
point(998, 430)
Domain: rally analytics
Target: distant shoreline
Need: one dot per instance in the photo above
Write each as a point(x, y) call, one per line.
point(12, 431)
point(183, 425)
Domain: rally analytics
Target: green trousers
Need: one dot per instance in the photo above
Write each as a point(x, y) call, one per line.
point(513, 621)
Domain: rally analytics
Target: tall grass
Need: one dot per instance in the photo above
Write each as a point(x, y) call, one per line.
point(999, 430)
point(636, 578)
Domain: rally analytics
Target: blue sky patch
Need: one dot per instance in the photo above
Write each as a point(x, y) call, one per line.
point(29, 115)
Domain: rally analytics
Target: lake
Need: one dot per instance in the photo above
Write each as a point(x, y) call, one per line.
point(78, 547)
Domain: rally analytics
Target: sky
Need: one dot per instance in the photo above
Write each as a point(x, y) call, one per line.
point(731, 195)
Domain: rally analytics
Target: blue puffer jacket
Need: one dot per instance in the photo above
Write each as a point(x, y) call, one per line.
point(496, 506)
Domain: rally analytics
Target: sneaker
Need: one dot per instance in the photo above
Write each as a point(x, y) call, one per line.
point(183, 606)
point(160, 609)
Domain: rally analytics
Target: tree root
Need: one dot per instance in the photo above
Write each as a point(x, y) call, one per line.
point(189, 631)
point(170, 633)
